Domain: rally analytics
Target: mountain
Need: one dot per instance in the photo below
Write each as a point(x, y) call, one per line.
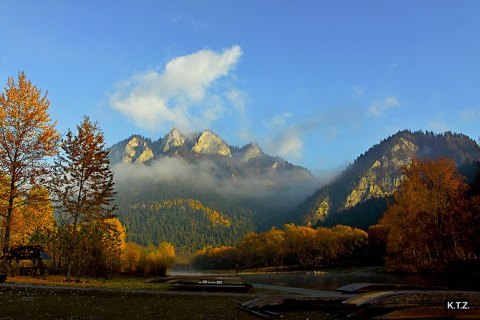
point(359, 195)
point(235, 162)
point(197, 190)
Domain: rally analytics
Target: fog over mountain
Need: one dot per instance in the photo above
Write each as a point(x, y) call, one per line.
point(172, 188)
point(204, 160)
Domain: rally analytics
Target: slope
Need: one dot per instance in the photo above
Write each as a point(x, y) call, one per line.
point(377, 173)
point(169, 189)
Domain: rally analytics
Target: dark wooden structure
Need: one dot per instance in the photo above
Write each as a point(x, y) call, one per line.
point(376, 301)
point(203, 283)
point(369, 287)
point(209, 283)
point(33, 253)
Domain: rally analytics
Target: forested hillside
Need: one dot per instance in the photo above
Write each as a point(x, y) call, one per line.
point(196, 191)
point(153, 213)
point(169, 189)
point(359, 195)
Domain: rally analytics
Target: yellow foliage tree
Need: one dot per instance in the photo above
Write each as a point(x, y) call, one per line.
point(34, 223)
point(131, 257)
point(27, 138)
point(157, 261)
point(114, 242)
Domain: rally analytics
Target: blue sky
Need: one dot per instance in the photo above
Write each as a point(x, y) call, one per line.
point(316, 82)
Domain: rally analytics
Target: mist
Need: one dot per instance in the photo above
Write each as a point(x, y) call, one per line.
point(276, 189)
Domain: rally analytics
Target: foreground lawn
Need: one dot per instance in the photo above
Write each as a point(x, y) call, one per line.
point(119, 298)
point(112, 282)
point(42, 303)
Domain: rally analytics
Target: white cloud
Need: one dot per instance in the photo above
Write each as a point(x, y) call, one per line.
point(291, 144)
point(283, 140)
point(287, 140)
point(238, 100)
point(380, 107)
point(470, 115)
point(279, 120)
point(182, 95)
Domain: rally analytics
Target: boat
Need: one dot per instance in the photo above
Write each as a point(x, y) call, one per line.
point(209, 283)
point(368, 287)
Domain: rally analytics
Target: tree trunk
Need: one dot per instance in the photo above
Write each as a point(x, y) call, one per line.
point(6, 240)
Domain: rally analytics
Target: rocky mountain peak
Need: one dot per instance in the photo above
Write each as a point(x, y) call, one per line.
point(137, 150)
point(252, 151)
point(209, 143)
point(173, 139)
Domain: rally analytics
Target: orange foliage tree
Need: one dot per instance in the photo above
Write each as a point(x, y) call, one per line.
point(83, 189)
point(27, 139)
point(429, 226)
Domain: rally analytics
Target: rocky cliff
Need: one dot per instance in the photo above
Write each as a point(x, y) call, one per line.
point(203, 180)
point(246, 161)
point(378, 172)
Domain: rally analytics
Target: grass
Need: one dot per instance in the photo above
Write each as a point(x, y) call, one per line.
point(113, 282)
point(40, 301)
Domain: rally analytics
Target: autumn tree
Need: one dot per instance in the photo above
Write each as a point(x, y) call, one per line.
point(84, 190)
point(429, 224)
point(131, 257)
point(34, 222)
point(157, 261)
point(27, 138)
point(114, 242)
point(300, 244)
point(272, 246)
point(250, 251)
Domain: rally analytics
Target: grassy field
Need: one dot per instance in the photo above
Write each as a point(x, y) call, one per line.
point(123, 298)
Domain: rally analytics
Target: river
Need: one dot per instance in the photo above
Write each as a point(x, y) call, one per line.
point(331, 279)
point(335, 278)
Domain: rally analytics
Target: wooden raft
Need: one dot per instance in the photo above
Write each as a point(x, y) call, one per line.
point(393, 302)
point(266, 307)
point(209, 283)
point(416, 304)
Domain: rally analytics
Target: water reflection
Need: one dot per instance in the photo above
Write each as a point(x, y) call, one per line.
point(333, 279)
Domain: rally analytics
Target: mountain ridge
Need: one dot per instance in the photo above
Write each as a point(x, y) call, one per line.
point(243, 186)
point(197, 146)
point(253, 190)
point(378, 172)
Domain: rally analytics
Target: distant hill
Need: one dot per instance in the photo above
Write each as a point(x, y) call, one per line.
point(359, 195)
point(196, 190)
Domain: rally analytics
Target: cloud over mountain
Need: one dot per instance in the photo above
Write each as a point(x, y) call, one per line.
point(183, 95)
point(379, 107)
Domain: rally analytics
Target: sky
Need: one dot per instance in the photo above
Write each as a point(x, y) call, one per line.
point(315, 82)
